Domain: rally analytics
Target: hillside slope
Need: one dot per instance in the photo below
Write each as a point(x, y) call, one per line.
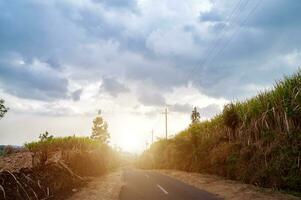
point(257, 141)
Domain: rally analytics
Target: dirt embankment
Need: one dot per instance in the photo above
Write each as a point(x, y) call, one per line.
point(16, 161)
point(106, 187)
point(23, 177)
point(227, 189)
point(19, 179)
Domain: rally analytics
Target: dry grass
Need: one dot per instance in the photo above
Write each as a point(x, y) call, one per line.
point(229, 190)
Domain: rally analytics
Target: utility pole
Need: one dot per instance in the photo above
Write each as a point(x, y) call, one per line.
point(152, 136)
point(165, 113)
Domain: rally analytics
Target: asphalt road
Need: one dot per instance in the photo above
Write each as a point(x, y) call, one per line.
point(146, 185)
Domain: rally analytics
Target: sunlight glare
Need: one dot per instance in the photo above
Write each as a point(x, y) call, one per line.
point(131, 142)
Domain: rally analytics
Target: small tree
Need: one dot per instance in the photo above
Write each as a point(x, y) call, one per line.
point(45, 136)
point(195, 116)
point(3, 109)
point(100, 130)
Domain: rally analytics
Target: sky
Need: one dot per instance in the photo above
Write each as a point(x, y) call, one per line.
point(63, 60)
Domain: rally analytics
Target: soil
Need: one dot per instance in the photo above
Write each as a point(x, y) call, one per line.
point(227, 189)
point(16, 161)
point(106, 187)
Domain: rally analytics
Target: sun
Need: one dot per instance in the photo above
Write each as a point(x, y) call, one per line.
point(131, 142)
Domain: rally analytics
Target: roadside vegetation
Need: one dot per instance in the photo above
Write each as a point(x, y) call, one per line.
point(256, 141)
point(59, 166)
point(86, 156)
point(3, 108)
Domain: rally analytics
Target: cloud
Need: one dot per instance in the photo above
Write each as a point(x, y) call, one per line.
point(76, 94)
point(149, 49)
point(118, 3)
point(149, 98)
point(172, 42)
point(181, 108)
point(206, 112)
point(34, 80)
point(113, 87)
point(210, 17)
point(162, 43)
point(210, 111)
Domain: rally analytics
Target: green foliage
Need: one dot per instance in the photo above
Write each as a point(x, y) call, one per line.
point(256, 141)
point(230, 116)
point(85, 156)
point(64, 143)
point(195, 116)
point(100, 130)
point(45, 136)
point(3, 108)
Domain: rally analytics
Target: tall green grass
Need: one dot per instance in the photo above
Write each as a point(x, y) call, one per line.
point(64, 143)
point(85, 156)
point(257, 141)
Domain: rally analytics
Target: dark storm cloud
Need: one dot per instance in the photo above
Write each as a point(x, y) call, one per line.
point(113, 87)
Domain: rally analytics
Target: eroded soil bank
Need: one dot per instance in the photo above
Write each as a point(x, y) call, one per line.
point(58, 178)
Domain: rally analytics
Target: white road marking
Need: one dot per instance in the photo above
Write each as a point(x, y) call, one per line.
point(147, 176)
point(161, 188)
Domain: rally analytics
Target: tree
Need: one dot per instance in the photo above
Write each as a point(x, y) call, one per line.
point(195, 116)
point(3, 109)
point(100, 130)
point(45, 136)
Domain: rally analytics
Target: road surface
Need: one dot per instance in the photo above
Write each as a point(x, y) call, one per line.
point(146, 185)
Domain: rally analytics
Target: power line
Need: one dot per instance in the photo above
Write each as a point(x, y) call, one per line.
point(166, 113)
point(237, 30)
point(219, 43)
point(236, 8)
point(152, 136)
